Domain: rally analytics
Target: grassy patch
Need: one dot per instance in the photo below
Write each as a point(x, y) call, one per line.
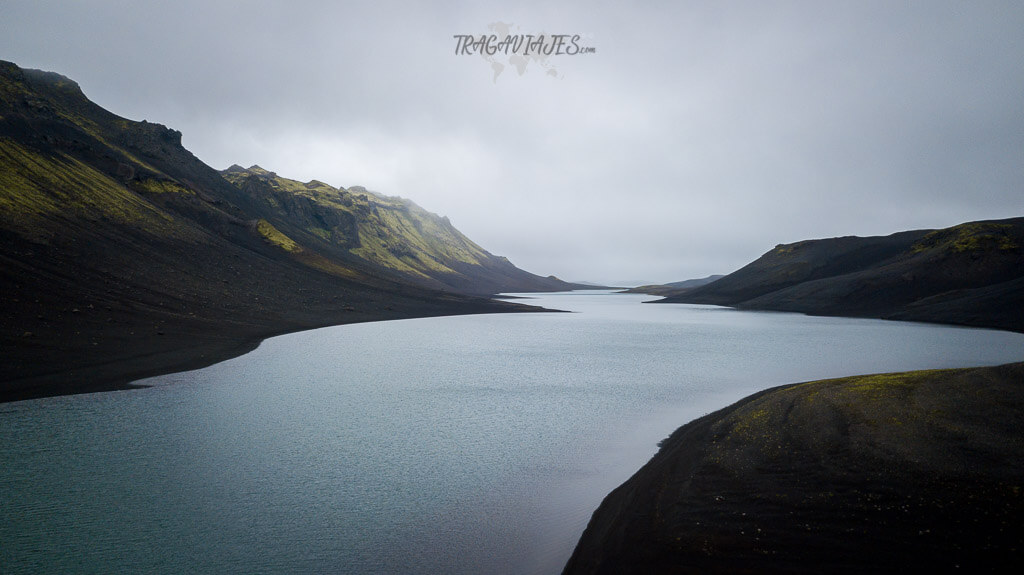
point(274, 236)
point(752, 423)
point(971, 237)
point(155, 186)
point(34, 188)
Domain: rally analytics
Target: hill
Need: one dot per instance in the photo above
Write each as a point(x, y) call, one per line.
point(917, 471)
point(122, 255)
point(970, 274)
point(388, 233)
point(674, 288)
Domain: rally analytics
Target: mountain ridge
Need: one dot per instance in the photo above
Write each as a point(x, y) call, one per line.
point(122, 255)
point(674, 288)
point(969, 274)
point(389, 232)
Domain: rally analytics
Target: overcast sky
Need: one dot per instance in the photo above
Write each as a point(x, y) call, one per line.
point(692, 139)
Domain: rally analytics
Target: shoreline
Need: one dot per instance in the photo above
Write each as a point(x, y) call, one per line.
point(1009, 325)
point(861, 474)
point(194, 346)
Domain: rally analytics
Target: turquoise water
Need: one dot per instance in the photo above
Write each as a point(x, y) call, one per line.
point(474, 444)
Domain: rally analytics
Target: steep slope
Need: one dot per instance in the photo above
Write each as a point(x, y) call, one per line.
point(123, 255)
point(968, 274)
point(917, 472)
point(391, 233)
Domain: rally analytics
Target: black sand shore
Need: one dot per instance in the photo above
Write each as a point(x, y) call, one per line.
point(106, 349)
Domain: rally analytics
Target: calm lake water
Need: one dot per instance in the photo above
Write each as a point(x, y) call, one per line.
point(475, 444)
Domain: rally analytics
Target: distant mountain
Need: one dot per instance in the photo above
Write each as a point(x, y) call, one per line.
point(689, 284)
point(385, 233)
point(970, 274)
point(123, 255)
point(674, 288)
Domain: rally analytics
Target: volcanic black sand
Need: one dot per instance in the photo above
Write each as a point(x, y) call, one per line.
point(916, 472)
point(104, 345)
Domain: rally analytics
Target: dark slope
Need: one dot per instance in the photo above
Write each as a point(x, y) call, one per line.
point(999, 306)
point(969, 274)
point(674, 288)
point(917, 472)
point(122, 255)
point(391, 233)
point(690, 284)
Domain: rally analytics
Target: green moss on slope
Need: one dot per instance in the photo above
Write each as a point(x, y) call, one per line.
point(36, 188)
point(975, 236)
point(272, 235)
point(306, 257)
point(155, 186)
point(390, 232)
point(865, 474)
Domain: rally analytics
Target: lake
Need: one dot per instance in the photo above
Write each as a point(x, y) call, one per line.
point(470, 444)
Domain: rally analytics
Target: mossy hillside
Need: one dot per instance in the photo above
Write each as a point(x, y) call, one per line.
point(321, 211)
point(110, 138)
point(788, 249)
point(379, 236)
point(825, 414)
point(275, 237)
point(70, 169)
point(868, 474)
point(330, 266)
point(63, 159)
point(161, 186)
point(967, 274)
point(310, 258)
point(126, 256)
point(36, 189)
point(390, 232)
point(403, 236)
point(56, 101)
point(971, 237)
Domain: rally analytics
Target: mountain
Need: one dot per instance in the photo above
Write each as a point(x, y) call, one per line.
point(122, 255)
point(969, 274)
point(674, 288)
point(917, 471)
point(389, 233)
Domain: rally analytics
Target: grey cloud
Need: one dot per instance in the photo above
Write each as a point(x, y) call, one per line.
point(698, 135)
